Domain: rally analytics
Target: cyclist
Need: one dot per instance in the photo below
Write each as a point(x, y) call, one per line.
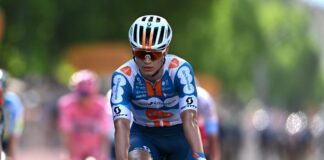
point(12, 116)
point(159, 90)
point(208, 124)
point(83, 118)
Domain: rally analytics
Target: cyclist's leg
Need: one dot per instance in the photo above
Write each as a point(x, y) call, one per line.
point(177, 148)
point(139, 154)
point(183, 152)
point(141, 148)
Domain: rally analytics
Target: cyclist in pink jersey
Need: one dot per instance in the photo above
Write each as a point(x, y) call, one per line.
point(84, 119)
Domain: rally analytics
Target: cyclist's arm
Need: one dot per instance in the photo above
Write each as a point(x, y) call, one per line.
point(186, 87)
point(191, 130)
point(120, 104)
point(122, 131)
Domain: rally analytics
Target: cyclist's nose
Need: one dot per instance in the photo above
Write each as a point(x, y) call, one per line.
point(147, 58)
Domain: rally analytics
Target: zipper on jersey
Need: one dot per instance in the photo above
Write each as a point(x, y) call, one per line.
point(153, 85)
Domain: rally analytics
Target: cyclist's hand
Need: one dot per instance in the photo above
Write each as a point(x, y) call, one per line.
point(199, 156)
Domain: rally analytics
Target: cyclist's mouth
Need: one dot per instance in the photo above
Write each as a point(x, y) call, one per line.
point(147, 69)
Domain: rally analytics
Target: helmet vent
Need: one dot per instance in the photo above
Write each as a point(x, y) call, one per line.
point(168, 32)
point(161, 35)
point(162, 47)
point(143, 19)
point(141, 33)
point(148, 33)
point(155, 34)
point(135, 33)
point(158, 19)
point(150, 19)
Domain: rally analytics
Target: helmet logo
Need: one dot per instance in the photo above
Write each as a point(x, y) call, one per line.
point(149, 24)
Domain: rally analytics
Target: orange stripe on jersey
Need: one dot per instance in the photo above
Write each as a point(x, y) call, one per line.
point(157, 123)
point(149, 88)
point(174, 63)
point(166, 123)
point(127, 70)
point(151, 39)
point(158, 88)
point(143, 39)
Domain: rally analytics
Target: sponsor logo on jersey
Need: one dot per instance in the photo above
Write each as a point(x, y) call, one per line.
point(149, 103)
point(171, 102)
point(120, 115)
point(126, 70)
point(190, 102)
point(154, 114)
point(156, 102)
point(186, 79)
point(174, 63)
point(117, 91)
point(118, 112)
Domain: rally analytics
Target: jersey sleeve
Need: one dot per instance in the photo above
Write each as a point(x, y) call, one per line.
point(185, 84)
point(120, 99)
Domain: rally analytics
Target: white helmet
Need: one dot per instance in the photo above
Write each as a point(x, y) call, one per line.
point(150, 32)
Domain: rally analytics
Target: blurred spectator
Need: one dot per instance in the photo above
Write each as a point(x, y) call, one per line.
point(317, 131)
point(13, 117)
point(269, 124)
point(83, 118)
point(230, 132)
point(208, 124)
point(298, 137)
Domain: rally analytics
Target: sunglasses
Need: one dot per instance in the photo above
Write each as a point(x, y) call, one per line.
point(142, 54)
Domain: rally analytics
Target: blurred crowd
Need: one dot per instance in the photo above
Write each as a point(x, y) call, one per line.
point(251, 131)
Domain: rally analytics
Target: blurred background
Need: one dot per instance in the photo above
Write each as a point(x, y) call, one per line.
point(262, 60)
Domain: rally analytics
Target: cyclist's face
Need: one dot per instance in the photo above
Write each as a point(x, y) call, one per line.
point(86, 101)
point(148, 61)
